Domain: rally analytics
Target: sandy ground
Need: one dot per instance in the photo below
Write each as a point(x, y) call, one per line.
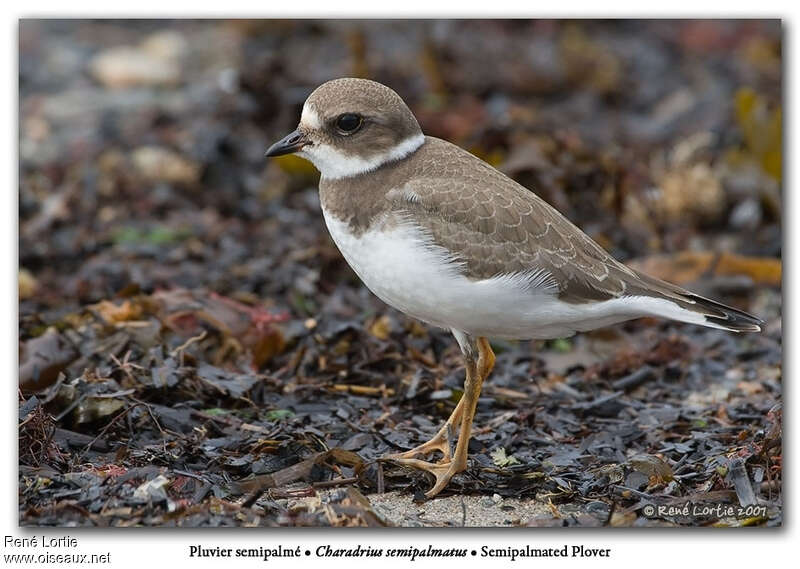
point(467, 511)
point(400, 509)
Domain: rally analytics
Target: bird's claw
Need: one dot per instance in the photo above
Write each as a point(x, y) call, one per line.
point(442, 471)
point(438, 443)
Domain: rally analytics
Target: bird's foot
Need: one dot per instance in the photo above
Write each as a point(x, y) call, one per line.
point(444, 468)
point(442, 471)
point(440, 442)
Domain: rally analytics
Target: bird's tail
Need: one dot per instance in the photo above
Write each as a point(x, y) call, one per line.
point(719, 315)
point(700, 310)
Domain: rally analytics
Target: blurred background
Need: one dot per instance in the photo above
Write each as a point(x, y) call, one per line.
point(185, 320)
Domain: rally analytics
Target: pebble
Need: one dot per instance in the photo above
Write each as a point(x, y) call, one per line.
point(27, 284)
point(746, 215)
point(165, 45)
point(694, 190)
point(441, 394)
point(125, 67)
point(155, 62)
point(162, 165)
point(152, 490)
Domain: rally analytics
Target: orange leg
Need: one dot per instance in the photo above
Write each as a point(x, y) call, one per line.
point(441, 441)
point(451, 464)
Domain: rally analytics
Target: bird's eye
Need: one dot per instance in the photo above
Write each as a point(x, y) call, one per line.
point(348, 123)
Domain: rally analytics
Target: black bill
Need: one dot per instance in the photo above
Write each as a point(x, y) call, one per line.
point(292, 142)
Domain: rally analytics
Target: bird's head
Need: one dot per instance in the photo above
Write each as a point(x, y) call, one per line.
point(352, 126)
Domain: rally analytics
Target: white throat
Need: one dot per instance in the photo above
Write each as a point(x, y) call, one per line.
point(334, 165)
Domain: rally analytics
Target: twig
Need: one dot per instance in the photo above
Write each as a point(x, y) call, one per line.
point(364, 389)
point(188, 343)
point(335, 482)
point(190, 475)
point(103, 432)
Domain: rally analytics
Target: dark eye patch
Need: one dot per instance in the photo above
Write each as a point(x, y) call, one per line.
point(348, 123)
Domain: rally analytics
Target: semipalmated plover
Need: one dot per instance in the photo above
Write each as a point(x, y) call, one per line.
point(444, 237)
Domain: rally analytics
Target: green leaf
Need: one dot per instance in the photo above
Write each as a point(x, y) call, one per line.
point(562, 345)
point(278, 414)
point(216, 411)
point(501, 459)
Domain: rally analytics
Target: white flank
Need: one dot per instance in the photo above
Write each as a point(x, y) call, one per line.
point(335, 165)
point(400, 265)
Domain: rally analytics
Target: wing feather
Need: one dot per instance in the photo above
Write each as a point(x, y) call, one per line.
point(499, 227)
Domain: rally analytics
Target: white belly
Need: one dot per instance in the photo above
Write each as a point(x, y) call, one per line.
point(404, 269)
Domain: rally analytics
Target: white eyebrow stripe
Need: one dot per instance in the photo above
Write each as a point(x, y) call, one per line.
point(334, 165)
point(309, 117)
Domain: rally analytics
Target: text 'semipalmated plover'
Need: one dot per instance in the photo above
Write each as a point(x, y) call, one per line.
point(444, 237)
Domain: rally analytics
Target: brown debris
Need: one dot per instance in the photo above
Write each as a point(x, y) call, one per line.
point(691, 266)
point(42, 359)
